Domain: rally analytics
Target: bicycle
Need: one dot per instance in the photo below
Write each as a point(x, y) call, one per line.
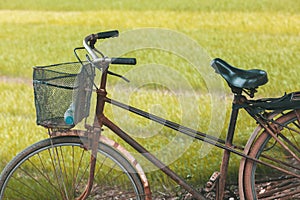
point(61, 166)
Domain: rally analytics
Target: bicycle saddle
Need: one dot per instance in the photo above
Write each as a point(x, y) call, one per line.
point(239, 78)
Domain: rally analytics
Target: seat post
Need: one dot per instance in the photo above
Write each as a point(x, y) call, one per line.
point(228, 143)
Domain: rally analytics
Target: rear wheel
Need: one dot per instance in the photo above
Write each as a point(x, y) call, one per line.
point(58, 168)
point(262, 182)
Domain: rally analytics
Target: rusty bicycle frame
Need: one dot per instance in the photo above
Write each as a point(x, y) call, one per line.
point(226, 145)
point(239, 102)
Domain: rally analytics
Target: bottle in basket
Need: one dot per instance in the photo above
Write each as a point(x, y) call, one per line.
point(69, 115)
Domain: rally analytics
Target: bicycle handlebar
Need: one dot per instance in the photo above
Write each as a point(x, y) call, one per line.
point(90, 40)
point(107, 34)
point(123, 61)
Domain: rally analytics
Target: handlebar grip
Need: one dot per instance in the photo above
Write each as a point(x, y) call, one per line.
point(107, 34)
point(123, 61)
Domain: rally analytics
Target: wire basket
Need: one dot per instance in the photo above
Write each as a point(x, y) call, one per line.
point(61, 88)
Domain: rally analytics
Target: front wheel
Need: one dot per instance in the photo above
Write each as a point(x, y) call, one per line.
point(58, 168)
point(282, 181)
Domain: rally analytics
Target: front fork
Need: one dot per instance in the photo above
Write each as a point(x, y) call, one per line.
point(94, 137)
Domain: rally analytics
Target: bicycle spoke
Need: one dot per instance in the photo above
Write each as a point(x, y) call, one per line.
point(26, 186)
point(281, 151)
point(297, 126)
point(63, 170)
point(37, 180)
point(73, 171)
point(278, 161)
point(46, 175)
point(81, 180)
point(57, 175)
point(290, 143)
point(18, 194)
point(275, 190)
point(53, 169)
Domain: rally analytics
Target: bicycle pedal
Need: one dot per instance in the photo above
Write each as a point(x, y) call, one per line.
point(210, 185)
point(215, 176)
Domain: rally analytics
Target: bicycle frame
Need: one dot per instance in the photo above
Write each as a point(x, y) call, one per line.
point(227, 145)
point(84, 164)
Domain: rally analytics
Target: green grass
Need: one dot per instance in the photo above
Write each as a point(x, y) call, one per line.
point(17, 123)
point(175, 5)
point(262, 34)
point(266, 40)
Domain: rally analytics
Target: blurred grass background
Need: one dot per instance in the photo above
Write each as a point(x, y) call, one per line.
point(250, 34)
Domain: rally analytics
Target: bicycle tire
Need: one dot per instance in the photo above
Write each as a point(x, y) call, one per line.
point(262, 182)
point(57, 168)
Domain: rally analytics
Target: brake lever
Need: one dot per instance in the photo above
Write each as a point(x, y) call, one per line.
point(118, 75)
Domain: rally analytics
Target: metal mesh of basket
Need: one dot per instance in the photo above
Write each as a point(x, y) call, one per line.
point(57, 88)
